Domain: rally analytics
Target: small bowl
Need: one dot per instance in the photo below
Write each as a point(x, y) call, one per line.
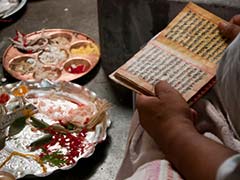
point(53, 55)
point(50, 73)
point(77, 66)
point(60, 39)
point(23, 65)
point(84, 48)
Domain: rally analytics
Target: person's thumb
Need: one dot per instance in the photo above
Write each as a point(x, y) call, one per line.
point(162, 87)
point(235, 19)
point(229, 30)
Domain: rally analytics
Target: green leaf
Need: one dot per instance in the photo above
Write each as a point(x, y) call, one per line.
point(40, 124)
point(17, 126)
point(58, 128)
point(41, 141)
point(70, 126)
point(54, 159)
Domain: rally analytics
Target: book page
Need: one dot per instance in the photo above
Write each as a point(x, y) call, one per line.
point(154, 63)
point(195, 32)
point(185, 54)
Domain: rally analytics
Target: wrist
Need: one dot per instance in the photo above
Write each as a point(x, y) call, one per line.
point(177, 133)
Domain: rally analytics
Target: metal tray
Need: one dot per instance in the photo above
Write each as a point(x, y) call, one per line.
point(12, 11)
point(67, 55)
point(50, 99)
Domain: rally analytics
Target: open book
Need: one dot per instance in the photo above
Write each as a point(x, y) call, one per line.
point(185, 54)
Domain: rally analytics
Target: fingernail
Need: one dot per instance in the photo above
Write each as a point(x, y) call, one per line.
point(222, 24)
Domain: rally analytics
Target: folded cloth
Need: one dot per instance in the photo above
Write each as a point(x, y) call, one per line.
point(144, 157)
point(228, 87)
point(155, 170)
point(140, 149)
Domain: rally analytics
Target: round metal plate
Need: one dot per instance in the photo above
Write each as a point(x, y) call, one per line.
point(76, 50)
point(61, 96)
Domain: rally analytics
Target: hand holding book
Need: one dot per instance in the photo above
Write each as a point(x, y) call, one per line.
point(185, 54)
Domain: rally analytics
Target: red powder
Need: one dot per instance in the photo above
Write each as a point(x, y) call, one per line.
point(73, 143)
point(4, 98)
point(77, 70)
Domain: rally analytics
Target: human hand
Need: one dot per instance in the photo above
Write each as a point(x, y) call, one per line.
point(164, 115)
point(232, 28)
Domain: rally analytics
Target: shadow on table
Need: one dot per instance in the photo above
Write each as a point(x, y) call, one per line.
point(124, 95)
point(89, 76)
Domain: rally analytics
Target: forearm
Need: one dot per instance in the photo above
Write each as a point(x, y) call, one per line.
point(169, 121)
point(193, 155)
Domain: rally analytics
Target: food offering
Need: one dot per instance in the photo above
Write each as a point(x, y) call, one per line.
point(57, 124)
point(53, 54)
